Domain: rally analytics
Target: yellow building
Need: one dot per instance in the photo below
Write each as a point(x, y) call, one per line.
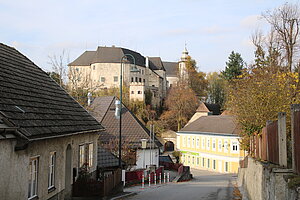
point(211, 143)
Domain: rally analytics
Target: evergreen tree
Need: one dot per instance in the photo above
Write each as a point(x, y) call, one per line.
point(233, 67)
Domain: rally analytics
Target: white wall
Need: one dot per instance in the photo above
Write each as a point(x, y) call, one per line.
point(140, 157)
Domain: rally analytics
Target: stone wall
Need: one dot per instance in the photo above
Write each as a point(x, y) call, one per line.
point(265, 182)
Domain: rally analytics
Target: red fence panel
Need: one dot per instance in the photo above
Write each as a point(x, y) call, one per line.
point(297, 141)
point(272, 142)
point(264, 148)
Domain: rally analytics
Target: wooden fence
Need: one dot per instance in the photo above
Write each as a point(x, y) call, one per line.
point(264, 146)
point(296, 141)
point(90, 188)
point(271, 142)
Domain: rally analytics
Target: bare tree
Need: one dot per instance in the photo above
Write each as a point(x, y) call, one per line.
point(59, 65)
point(285, 22)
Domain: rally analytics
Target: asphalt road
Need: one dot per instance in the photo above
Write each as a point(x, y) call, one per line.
point(205, 185)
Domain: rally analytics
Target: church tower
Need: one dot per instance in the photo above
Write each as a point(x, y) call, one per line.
point(182, 64)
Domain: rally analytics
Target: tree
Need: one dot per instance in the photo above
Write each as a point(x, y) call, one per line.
point(181, 103)
point(55, 76)
point(259, 94)
point(59, 66)
point(196, 79)
point(216, 89)
point(128, 152)
point(234, 66)
point(285, 22)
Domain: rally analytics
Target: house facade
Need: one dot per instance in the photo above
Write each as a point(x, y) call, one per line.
point(211, 143)
point(133, 131)
point(45, 135)
point(100, 69)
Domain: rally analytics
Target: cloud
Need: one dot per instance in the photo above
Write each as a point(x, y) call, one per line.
point(252, 21)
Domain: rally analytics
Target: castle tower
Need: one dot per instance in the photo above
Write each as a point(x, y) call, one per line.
point(182, 64)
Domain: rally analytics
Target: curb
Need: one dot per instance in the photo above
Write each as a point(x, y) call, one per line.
point(124, 195)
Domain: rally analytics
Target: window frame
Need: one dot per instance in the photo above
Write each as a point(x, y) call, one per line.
point(220, 145)
point(208, 143)
point(52, 166)
point(33, 191)
point(90, 154)
point(214, 146)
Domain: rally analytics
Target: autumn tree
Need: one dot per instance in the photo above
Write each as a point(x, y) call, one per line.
point(128, 152)
point(234, 66)
point(195, 79)
point(181, 103)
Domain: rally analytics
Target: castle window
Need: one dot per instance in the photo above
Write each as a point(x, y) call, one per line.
point(102, 79)
point(132, 79)
point(140, 80)
point(132, 92)
point(139, 92)
point(144, 80)
point(115, 79)
point(136, 79)
point(93, 67)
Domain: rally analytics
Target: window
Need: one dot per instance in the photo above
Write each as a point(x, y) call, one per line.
point(208, 144)
point(184, 141)
point(214, 164)
point(234, 146)
point(208, 163)
point(203, 143)
point(197, 142)
point(193, 142)
point(91, 150)
point(102, 79)
point(93, 67)
point(115, 79)
point(77, 69)
point(220, 145)
point(136, 79)
point(198, 161)
point(214, 144)
point(140, 80)
point(132, 92)
point(33, 177)
point(81, 155)
point(132, 79)
point(203, 162)
point(226, 166)
point(139, 92)
point(193, 160)
point(144, 80)
point(225, 146)
point(189, 142)
point(51, 176)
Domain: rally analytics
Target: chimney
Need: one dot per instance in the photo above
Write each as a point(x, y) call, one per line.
point(89, 95)
point(147, 62)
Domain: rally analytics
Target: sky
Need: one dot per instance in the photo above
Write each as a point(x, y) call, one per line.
point(210, 29)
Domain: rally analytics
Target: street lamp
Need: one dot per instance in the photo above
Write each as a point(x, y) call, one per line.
point(144, 146)
point(119, 103)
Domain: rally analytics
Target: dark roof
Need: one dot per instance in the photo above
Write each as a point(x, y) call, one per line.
point(156, 63)
point(217, 124)
point(35, 103)
point(132, 129)
point(108, 55)
point(84, 59)
point(206, 107)
point(171, 68)
point(106, 158)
